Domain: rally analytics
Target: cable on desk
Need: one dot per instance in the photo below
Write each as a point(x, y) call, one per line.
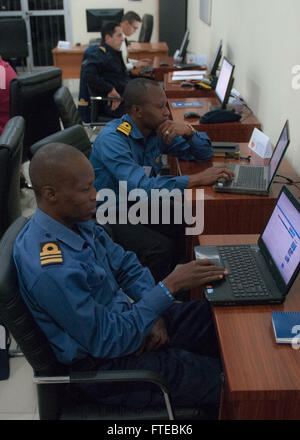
point(289, 181)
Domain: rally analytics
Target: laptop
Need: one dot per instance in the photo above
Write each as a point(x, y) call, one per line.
point(261, 273)
point(254, 179)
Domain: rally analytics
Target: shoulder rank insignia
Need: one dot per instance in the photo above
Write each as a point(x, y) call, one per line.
point(102, 48)
point(157, 160)
point(50, 254)
point(125, 128)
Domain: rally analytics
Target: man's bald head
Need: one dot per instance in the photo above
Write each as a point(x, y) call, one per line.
point(53, 165)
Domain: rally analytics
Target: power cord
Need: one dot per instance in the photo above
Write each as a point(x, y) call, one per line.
point(243, 102)
point(289, 181)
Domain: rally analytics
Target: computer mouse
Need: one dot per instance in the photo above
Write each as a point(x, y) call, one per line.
point(186, 84)
point(219, 116)
point(191, 115)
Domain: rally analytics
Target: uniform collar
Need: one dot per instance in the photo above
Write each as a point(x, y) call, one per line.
point(135, 132)
point(55, 230)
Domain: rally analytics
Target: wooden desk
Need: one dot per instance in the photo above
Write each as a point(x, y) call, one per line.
point(175, 90)
point(237, 213)
point(228, 132)
point(69, 61)
point(159, 71)
point(139, 51)
point(262, 379)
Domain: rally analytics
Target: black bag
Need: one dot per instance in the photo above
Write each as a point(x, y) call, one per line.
point(4, 355)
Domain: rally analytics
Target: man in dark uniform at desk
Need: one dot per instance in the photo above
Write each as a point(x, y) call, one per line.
point(104, 72)
point(76, 283)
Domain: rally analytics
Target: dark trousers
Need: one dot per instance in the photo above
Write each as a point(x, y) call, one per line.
point(160, 247)
point(190, 364)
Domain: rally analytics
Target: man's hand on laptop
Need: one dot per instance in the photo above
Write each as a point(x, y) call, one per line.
point(210, 176)
point(193, 274)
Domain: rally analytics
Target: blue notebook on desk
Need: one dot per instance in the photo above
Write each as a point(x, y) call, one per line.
point(286, 326)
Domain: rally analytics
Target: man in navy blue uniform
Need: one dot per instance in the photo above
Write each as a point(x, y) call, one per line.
point(77, 284)
point(130, 149)
point(104, 73)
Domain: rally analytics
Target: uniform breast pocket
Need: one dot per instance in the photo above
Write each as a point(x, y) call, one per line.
point(96, 276)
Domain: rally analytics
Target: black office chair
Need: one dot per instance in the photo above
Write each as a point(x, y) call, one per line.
point(31, 96)
point(11, 146)
point(58, 396)
point(68, 111)
point(146, 28)
point(75, 136)
point(13, 40)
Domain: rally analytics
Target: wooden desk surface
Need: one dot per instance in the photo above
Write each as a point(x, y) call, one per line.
point(138, 50)
point(159, 70)
point(262, 377)
point(175, 90)
point(228, 132)
point(69, 61)
point(237, 213)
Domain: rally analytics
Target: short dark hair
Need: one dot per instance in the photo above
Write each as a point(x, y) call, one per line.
point(135, 91)
point(131, 16)
point(109, 29)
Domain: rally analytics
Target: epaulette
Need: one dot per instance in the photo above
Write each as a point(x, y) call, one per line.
point(102, 48)
point(125, 128)
point(50, 254)
point(83, 103)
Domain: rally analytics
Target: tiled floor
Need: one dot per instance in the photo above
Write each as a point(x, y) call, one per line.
point(18, 399)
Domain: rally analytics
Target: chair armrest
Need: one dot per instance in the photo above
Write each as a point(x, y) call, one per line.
point(112, 376)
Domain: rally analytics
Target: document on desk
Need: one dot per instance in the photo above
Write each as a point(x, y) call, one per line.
point(184, 75)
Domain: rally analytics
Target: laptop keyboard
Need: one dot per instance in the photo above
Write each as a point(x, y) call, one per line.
point(146, 69)
point(244, 276)
point(250, 177)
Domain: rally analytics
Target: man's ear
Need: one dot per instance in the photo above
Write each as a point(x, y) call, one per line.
point(49, 193)
point(137, 110)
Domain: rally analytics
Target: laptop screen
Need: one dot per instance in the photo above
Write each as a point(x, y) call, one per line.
point(279, 150)
point(282, 237)
point(223, 80)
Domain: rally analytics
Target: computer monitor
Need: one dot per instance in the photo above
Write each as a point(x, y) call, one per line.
point(184, 45)
point(216, 60)
point(97, 18)
point(225, 82)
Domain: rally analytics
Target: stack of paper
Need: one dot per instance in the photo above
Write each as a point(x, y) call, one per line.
point(188, 75)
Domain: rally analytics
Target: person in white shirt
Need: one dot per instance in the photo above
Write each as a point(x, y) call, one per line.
point(130, 24)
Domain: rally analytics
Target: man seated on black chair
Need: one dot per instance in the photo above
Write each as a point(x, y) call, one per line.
point(130, 149)
point(104, 73)
point(76, 282)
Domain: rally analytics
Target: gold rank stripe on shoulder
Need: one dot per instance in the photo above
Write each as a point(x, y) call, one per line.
point(50, 253)
point(125, 128)
point(102, 48)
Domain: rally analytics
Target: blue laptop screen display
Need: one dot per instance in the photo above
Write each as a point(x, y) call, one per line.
point(282, 237)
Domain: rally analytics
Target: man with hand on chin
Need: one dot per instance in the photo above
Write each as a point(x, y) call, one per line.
point(130, 149)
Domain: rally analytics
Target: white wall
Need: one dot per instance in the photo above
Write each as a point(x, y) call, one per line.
point(78, 17)
point(262, 39)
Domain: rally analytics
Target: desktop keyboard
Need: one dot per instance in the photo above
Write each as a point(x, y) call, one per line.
point(250, 177)
point(244, 275)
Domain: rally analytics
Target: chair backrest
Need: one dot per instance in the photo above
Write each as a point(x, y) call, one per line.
point(75, 136)
point(31, 96)
point(13, 38)
point(146, 28)
point(15, 314)
point(66, 107)
point(4, 166)
point(11, 140)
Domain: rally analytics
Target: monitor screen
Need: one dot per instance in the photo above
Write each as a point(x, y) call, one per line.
point(216, 60)
point(282, 237)
point(184, 45)
point(224, 83)
point(279, 150)
point(97, 18)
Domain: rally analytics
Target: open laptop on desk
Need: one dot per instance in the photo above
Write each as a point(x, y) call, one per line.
point(254, 179)
point(261, 273)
